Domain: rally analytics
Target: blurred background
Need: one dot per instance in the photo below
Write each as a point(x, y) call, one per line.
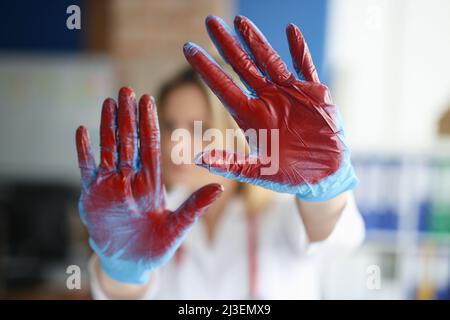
point(386, 62)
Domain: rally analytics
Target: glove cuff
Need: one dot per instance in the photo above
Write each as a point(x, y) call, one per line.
point(121, 270)
point(124, 274)
point(341, 181)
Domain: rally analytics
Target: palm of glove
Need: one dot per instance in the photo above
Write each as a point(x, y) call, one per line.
point(309, 145)
point(119, 212)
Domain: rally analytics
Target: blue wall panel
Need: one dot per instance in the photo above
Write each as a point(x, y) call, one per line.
point(272, 17)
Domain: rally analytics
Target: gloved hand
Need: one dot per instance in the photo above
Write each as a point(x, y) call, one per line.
point(314, 161)
point(122, 202)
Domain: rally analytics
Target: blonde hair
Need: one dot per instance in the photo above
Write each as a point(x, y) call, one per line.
point(256, 199)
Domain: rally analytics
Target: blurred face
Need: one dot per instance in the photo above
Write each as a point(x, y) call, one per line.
point(182, 107)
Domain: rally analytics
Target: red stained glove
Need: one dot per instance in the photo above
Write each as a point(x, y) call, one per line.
point(314, 161)
point(122, 202)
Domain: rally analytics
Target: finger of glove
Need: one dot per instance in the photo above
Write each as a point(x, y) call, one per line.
point(86, 160)
point(195, 206)
point(127, 129)
point(108, 141)
point(150, 145)
point(231, 50)
point(267, 59)
point(301, 56)
point(231, 95)
point(230, 164)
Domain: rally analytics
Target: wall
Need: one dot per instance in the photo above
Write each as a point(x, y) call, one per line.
point(390, 71)
point(146, 37)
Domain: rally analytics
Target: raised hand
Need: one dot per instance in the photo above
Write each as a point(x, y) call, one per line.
point(314, 161)
point(122, 201)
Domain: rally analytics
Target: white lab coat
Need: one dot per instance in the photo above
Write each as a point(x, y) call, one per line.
point(286, 264)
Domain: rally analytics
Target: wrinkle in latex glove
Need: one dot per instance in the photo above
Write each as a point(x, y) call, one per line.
point(122, 201)
point(314, 160)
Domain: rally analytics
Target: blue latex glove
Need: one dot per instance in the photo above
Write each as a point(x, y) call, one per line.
point(122, 202)
point(314, 160)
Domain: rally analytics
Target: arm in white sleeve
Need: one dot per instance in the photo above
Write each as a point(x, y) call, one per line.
point(348, 233)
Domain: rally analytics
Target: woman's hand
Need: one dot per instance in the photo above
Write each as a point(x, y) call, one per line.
point(122, 202)
point(313, 159)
